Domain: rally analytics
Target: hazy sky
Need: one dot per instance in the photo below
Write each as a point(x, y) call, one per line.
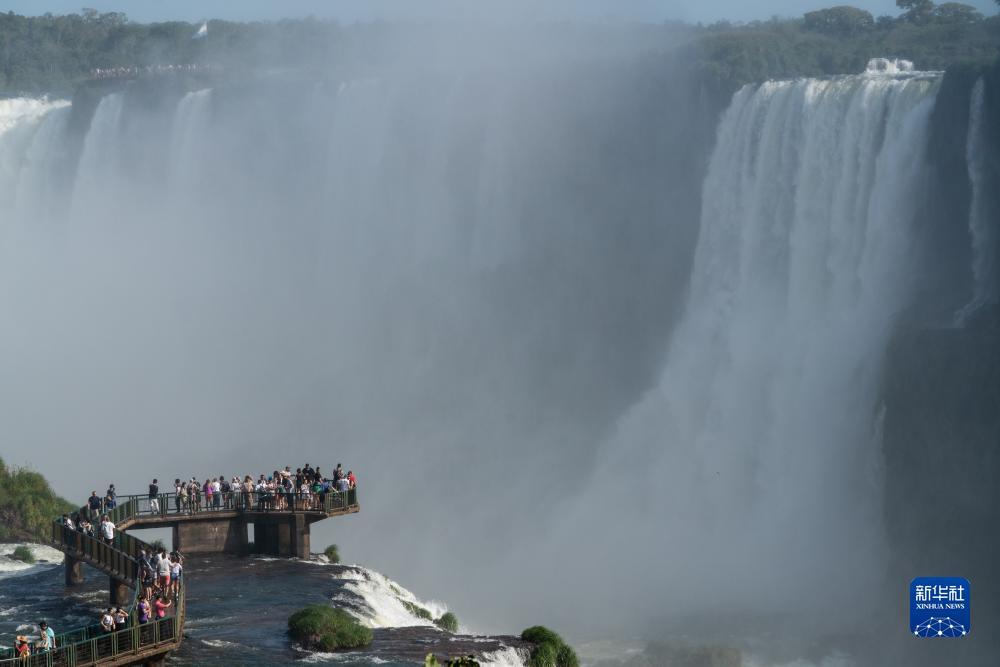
point(351, 10)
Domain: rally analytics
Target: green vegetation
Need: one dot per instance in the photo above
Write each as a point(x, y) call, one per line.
point(55, 53)
point(319, 627)
point(448, 622)
point(550, 650)
point(464, 661)
point(158, 545)
point(27, 505)
point(417, 610)
point(23, 554)
point(331, 554)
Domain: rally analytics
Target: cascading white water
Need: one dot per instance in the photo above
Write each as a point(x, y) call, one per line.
point(762, 490)
point(981, 214)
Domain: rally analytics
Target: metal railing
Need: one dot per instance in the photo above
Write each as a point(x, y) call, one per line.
point(171, 504)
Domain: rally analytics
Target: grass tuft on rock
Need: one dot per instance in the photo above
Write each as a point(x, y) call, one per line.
point(549, 648)
point(23, 554)
point(448, 622)
point(332, 554)
point(323, 628)
point(417, 610)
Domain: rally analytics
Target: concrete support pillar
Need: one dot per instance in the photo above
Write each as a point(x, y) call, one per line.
point(300, 536)
point(216, 536)
point(74, 571)
point(121, 594)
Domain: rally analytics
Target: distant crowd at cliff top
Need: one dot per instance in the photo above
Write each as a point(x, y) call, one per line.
point(131, 71)
point(305, 488)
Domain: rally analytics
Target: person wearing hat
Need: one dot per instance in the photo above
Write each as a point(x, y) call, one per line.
point(22, 647)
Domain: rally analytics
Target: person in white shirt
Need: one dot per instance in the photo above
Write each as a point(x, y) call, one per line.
point(163, 570)
point(108, 530)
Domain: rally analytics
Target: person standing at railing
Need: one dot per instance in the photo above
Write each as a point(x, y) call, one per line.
point(177, 495)
point(161, 605)
point(216, 486)
point(110, 498)
point(154, 496)
point(108, 621)
point(48, 636)
point(163, 572)
point(144, 611)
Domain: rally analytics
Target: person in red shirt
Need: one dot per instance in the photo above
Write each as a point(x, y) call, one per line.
point(352, 479)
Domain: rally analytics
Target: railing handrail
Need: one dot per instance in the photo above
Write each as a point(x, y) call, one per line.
point(138, 507)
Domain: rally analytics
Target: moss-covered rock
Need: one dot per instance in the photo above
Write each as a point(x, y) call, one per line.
point(549, 648)
point(447, 622)
point(332, 554)
point(323, 628)
point(23, 554)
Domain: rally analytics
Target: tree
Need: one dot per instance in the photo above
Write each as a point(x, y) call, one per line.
point(917, 11)
point(841, 20)
point(957, 12)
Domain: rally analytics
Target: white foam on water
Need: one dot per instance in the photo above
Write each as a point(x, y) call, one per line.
point(353, 658)
point(889, 66)
point(25, 109)
point(45, 558)
point(383, 600)
point(505, 657)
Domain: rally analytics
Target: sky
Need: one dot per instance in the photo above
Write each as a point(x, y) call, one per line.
point(354, 10)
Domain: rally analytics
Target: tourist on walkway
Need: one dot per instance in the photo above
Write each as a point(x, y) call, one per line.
point(48, 635)
point(161, 605)
point(108, 620)
point(177, 495)
point(175, 574)
point(94, 504)
point(154, 497)
point(121, 619)
point(107, 530)
point(144, 611)
point(22, 648)
point(163, 570)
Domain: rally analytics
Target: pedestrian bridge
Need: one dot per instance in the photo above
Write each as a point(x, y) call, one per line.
point(281, 528)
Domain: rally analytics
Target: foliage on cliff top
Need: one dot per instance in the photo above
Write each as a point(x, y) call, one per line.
point(332, 554)
point(319, 627)
point(54, 53)
point(549, 648)
point(27, 505)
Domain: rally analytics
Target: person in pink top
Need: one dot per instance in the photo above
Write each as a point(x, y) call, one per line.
point(161, 605)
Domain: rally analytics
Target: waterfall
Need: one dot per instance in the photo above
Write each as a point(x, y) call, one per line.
point(981, 209)
point(759, 445)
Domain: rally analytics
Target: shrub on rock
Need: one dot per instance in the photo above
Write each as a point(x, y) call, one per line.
point(323, 628)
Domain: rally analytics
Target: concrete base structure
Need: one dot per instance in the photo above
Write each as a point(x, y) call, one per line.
point(227, 536)
point(285, 536)
point(74, 571)
point(121, 594)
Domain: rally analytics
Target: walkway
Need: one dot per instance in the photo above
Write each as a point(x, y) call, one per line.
point(200, 528)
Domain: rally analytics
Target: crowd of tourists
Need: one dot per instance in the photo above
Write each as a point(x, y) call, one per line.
point(133, 71)
point(305, 488)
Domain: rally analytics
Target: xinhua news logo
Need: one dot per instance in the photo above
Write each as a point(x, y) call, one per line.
point(939, 607)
